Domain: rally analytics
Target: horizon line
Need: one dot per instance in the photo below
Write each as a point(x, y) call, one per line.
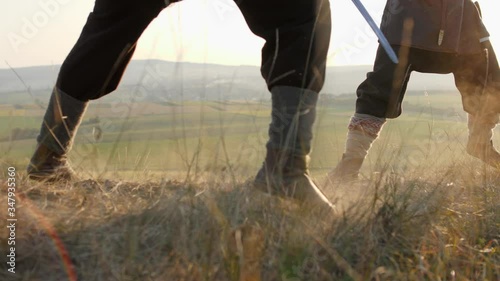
point(167, 61)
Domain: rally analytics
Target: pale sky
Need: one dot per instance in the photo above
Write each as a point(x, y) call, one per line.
point(42, 32)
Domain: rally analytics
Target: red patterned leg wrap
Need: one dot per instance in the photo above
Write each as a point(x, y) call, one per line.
point(367, 124)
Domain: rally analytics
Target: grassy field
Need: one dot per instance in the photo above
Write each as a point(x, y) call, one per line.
point(212, 135)
point(163, 195)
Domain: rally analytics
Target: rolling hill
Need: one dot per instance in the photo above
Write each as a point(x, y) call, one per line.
point(163, 80)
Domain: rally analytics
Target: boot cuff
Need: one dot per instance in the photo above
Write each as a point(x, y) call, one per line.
point(293, 96)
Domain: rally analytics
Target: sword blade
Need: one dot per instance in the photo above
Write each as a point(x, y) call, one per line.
point(383, 41)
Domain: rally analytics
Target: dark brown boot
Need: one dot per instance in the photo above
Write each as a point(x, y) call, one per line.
point(285, 172)
point(60, 124)
point(45, 165)
point(299, 184)
point(291, 183)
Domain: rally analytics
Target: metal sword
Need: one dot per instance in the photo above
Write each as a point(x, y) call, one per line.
point(383, 41)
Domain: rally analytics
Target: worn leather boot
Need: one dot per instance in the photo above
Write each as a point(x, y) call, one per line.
point(60, 124)
point(46, 165)
point(285, 171)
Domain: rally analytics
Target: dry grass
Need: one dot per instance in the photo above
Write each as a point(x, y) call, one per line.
point(444, 225)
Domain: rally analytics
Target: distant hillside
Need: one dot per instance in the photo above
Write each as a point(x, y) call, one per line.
point(163, 80)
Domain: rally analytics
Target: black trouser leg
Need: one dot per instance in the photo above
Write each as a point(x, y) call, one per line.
point(96, 63)
point(297, 37)
point(478, 79)
point(382, 92)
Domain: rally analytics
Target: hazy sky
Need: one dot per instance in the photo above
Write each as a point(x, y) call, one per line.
point(41, 32)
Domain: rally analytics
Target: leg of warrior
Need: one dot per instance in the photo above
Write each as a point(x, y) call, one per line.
point(92, 69)
point(478, 80)
point(379, 97)
point(480, 143)
point(297, 35)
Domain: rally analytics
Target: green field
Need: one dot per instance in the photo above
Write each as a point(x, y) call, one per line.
point(202, 137)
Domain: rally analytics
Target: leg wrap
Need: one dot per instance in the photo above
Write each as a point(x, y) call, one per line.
point(363, 131)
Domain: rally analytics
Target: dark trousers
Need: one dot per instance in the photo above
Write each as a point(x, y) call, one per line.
point(382, 93)
point(296, 34)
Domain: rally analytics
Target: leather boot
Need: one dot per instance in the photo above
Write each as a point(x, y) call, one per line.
point(285, 171)
point(60, 124)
